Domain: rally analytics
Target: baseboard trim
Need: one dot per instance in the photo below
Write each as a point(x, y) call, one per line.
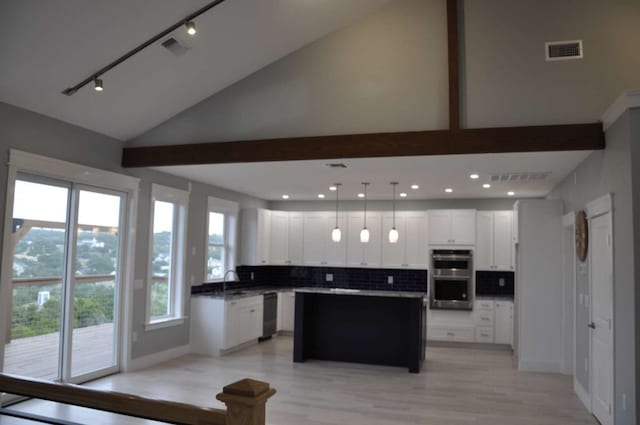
point(542, 367)
point(155, 358)
point(583, 395)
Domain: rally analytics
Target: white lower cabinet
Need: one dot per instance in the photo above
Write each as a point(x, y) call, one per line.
point(286, 311)
point(243, 320)
point(452, 333)
point(490, 322)
point(504, 322)
point(218, 325)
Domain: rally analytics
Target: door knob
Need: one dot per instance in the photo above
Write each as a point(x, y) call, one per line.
point(592, 325)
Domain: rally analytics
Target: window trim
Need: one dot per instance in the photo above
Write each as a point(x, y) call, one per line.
point(230, 210)
point(177, 276)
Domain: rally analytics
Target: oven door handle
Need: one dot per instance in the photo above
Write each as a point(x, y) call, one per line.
point(451, 257)
point(436, 277)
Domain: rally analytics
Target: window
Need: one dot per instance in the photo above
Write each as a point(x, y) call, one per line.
point(167, 249)
point(221, 238)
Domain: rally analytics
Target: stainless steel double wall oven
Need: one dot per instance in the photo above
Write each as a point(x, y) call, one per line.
point(451, 281)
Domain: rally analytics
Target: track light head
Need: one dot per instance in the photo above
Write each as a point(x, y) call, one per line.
point(97, 84)
point(191, 27)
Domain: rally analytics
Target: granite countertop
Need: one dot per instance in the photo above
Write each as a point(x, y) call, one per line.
point(233, 294)
point(341, 291)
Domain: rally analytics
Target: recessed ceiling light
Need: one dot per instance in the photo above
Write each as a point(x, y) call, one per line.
point(321, 195)
point(448, 190)
point(511, 193)
point(285, 196)
point(474, 176)
point(486, 185)
point(360, 195)
point(415, 187)
point(403, 195)
point(332, 188)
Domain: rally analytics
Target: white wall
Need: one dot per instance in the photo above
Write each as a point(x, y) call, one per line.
point(539, 286)
point(612, 171)
point(388, 72)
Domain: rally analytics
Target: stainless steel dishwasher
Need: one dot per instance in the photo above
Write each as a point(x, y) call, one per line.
point(270, 315)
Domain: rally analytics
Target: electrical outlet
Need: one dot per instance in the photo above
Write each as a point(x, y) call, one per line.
point(501, 282)
point(134, 336)
point(193, 280)
point(624, 401)
point(252, 275)
point(138, 284)
point(193, 250)
point(390, 280)
point(329, 277)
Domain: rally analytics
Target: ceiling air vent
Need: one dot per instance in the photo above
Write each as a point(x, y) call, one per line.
point(563, 50)
point(174, 46)
point(336, 165)
point(520, 177)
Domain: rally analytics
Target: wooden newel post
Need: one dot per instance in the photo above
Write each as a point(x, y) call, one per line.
point(246, 400)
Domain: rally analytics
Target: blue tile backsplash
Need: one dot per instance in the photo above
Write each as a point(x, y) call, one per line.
point(343, 277)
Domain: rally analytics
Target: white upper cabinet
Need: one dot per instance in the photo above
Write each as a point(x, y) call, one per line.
point(296, 238)
point(452, 227)
point(285, 245)
point(364, 254)
point(255, 233)
point(494, 245)
point(411, 249)
point(484, 240)
point(279, 246)
point(318, 248)
point(314, 238)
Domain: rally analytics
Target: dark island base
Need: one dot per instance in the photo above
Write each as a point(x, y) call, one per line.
point(360, 329)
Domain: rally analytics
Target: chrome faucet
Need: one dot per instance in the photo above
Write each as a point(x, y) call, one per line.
point(224, 280)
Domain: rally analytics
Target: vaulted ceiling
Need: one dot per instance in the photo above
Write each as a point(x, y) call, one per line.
point(47, 46)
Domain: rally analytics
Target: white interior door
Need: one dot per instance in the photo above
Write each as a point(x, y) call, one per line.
point(601, 319)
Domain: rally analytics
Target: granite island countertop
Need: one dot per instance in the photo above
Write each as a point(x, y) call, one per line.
point(233, 294)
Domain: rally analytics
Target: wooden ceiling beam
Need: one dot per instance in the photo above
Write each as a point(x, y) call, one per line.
point(571, 137)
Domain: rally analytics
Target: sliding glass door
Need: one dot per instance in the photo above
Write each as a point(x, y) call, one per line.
point(67, 249)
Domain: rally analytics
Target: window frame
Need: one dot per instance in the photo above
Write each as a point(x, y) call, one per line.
point(230, 211)
point(177, 276)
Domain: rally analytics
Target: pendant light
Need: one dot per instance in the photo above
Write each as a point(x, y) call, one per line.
point(336, 234)
point(393, 233)
point(364, 233)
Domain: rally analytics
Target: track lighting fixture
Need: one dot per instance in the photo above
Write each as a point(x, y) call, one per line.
point(187, 21)
point(364, 233)
point(191, 27)
point(97, 84)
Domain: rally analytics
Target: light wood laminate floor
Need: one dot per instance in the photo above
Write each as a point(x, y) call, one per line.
point(456, 386)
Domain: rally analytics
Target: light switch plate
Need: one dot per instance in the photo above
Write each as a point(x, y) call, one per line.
point(329, 277)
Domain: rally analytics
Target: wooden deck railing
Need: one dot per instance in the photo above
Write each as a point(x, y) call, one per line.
point(245, 401)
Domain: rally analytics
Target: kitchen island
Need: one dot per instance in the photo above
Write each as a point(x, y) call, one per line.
point(374, 327)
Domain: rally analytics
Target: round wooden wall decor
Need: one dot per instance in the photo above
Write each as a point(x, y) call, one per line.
point(582, 236)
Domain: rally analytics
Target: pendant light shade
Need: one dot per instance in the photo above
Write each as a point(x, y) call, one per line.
point(336, 234)
point(364, 233)
point(393, 233)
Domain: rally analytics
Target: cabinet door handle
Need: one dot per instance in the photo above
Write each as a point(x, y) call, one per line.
point(485, 335)
point(450, 334)
point(486, 319)
point(252, 311)
point(233, 303)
